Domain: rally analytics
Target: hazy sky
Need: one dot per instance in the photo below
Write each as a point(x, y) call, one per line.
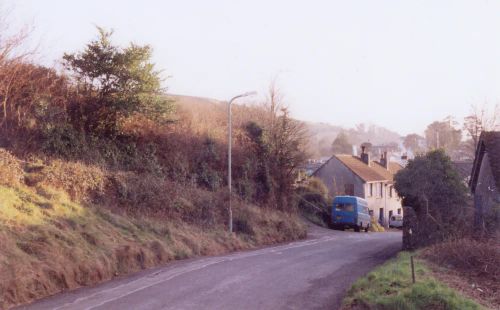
point(400, 64)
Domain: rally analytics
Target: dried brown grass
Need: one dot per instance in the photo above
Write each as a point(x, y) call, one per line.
point(475, 257)
point(10, 168)
point(59, 233)
point(477, 262)
point(41, 260)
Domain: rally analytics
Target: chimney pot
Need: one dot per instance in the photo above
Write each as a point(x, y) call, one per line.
point(365, 157)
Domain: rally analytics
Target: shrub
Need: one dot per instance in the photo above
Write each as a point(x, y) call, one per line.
point(63, 141)
point(313, 204)
point(138, 192)
point(316, 185)
point(80, 181)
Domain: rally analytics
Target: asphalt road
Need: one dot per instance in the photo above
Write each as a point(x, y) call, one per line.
point(310, 274)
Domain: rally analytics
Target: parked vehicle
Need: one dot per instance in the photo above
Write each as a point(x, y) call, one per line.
point(350, 212)
point(396, 221)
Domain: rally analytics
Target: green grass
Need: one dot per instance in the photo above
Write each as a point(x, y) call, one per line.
point(390, 287)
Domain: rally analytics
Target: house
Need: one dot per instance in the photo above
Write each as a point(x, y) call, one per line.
point(485, 180)
point(365, 178)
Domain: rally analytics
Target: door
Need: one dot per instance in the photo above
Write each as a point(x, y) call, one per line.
point(344, 213)
point(381, 215)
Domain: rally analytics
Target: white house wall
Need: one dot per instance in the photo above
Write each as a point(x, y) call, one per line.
point(383, 201)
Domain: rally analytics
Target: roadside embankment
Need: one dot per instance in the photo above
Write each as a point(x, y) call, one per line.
point(53, 240)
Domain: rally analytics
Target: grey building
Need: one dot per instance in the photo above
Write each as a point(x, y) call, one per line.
point(485, 180)
point(365, 178)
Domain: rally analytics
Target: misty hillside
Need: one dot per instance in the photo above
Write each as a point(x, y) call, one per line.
point(323, 135)
point(205, 112)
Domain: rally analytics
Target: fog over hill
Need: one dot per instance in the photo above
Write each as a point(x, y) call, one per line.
point(206, 111)
point(323, 135)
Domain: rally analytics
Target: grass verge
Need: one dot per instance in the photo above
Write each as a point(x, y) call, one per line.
point(390, 287)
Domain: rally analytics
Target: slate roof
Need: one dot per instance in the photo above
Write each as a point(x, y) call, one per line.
point(489, 142)
point(373, 173)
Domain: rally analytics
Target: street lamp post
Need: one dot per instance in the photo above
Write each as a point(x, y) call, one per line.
point(229, 137)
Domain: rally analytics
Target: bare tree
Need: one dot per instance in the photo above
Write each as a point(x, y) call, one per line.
point(286, 140)
point(12, 58)
point(481, 118)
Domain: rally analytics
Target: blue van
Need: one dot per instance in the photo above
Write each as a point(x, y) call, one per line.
point(351, 212)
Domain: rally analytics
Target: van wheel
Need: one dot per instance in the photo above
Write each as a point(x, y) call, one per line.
point(356, 228)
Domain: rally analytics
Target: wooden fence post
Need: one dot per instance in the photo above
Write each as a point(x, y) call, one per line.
point(412, 270)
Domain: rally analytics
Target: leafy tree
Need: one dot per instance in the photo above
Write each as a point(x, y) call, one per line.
point(341, 144)
point(114, 83)
point(443, 135)
point(260, 165)
point(432, 187)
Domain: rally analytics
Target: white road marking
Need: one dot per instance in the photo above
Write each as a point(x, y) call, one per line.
point(164, 276)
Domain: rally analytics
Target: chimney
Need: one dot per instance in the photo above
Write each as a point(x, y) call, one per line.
point(384, 161)
point(365, 157)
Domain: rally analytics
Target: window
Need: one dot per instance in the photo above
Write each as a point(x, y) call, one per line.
point(399, 211)
point(381, 189)
point(349, 189)
point(390, 191)
point(371, 189)
point(347, 207)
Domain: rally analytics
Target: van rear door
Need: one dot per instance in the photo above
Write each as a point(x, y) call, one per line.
point(344, 212)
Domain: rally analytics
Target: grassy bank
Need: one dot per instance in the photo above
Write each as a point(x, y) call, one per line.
point(52, 241)
point(390, 287)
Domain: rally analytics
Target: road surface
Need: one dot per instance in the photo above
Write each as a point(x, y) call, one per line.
point(309, 274)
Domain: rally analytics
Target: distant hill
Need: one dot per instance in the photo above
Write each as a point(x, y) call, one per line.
point(323, 135)
point(193, 102)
